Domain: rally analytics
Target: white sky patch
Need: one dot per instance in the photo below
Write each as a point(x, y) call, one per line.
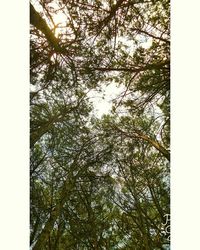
point(145, 41)
point(102, 101)
point(148, 43)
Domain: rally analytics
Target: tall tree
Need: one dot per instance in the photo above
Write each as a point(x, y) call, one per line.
point(99, 183)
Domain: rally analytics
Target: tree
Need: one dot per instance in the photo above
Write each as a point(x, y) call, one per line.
point(99, 183)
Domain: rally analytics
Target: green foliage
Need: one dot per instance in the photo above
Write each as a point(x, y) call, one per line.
point(99, 183)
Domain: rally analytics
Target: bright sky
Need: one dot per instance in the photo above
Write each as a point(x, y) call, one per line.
point(103, 101)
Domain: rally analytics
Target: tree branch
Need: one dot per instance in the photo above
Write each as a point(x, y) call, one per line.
point(155, 144)
point(38, 22)
point(135, 70)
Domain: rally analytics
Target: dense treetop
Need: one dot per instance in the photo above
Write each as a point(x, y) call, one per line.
point(99, 183)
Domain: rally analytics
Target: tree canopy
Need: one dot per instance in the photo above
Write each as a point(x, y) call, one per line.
point(99, 183)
